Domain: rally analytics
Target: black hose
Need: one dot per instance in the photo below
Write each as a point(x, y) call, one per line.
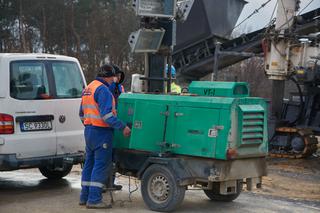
point(302, 103)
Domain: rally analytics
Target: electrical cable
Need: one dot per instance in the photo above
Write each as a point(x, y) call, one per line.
point(133, 191)
point(272, 20)
point(305, 7)
point(129, 200)
point(280, 28)
point(248, 17)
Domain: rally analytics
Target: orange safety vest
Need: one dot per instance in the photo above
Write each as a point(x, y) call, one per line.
point(91, 109)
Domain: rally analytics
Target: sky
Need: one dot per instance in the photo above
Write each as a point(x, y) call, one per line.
point(262, 18)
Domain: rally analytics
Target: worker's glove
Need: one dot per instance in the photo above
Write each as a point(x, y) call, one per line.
point(126, 131)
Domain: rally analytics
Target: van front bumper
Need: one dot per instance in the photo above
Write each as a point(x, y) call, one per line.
point(9, 162)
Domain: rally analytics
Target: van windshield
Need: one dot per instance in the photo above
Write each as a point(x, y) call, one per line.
point(32, 80)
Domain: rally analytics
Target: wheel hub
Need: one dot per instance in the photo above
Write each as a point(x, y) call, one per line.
point(159, 188)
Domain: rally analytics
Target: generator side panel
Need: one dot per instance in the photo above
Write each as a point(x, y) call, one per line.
point(146, 117)
point(149, 123)
point(192, 131)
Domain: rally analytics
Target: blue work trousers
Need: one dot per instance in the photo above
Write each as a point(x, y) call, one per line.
point(97, 164)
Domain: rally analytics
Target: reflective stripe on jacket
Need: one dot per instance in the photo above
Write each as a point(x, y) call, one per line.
point(91, 113)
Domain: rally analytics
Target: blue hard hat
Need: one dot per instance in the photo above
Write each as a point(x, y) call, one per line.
point(173, 71)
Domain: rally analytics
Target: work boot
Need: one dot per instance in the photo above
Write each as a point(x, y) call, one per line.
point(100, 205)
point(82, 203)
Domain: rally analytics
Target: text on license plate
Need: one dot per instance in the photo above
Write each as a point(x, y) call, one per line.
point(36, 126)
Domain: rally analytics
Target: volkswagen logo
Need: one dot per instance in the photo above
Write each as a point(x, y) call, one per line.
point(62, 118)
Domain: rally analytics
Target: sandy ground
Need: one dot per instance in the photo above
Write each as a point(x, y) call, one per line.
point(297, 179)
point(294, 178)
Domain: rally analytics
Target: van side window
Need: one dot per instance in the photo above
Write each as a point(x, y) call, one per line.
point(68, 79)
point(28, 80)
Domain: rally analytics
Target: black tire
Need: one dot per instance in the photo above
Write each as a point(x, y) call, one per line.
point(169, 194)
point(51, 172)
point(215, 195)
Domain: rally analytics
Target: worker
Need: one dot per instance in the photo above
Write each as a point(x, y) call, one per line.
point(98, 114)
point(175, 88)
point(116, 88)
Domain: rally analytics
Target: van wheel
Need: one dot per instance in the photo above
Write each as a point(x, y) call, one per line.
point(160, 190)
point(215, 195)
point(51, 172)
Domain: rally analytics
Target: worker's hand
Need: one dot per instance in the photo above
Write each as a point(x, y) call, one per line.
point(126, 131)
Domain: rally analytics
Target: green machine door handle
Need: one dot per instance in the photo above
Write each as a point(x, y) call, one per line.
point(219, 127)
point(178, 114)
point(213, 133)
point(166, 113)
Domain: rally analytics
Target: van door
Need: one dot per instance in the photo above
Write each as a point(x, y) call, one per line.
point(68, 83)
point(31, 105)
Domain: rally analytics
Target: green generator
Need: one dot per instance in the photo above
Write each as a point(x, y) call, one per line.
point(214, 137)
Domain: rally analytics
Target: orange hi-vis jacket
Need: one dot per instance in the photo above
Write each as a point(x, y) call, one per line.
point(91, 113)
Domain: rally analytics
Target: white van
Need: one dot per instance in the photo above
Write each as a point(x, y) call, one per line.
point(40, 96)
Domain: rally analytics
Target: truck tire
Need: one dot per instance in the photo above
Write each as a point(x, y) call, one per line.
point(160, 190)
point(51, 172)
point(215, 195)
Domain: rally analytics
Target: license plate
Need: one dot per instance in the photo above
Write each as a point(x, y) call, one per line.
point(36, 126)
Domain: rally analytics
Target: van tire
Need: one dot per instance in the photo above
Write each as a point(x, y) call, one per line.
point(51, 172)
point(163, 178)
point(215, 195)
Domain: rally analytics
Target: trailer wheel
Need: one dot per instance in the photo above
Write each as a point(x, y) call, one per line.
point(215, 195)
point(55, 173)
point(160, 190)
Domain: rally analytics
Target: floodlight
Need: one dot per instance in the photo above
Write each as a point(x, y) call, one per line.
point(146, 40)
point(155, 8)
